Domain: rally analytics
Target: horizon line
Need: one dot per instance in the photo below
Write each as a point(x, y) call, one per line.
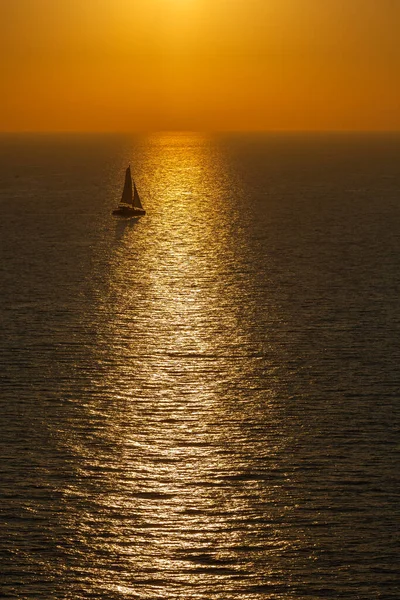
point(187, 131)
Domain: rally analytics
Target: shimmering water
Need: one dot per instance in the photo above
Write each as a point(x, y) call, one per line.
point(203, 403)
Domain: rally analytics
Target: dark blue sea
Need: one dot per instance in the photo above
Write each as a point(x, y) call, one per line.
point(203, 403)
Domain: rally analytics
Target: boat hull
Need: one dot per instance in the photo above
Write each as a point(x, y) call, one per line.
point(126, 211)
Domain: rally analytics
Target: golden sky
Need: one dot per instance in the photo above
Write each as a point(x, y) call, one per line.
point(134, 65)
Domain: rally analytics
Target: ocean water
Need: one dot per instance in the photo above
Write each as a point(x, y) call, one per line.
point(203, 403)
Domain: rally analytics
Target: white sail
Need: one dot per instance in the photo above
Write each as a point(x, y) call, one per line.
point(136, 199)
point(127, 193)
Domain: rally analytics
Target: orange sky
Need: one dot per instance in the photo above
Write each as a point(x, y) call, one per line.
point(134, 65)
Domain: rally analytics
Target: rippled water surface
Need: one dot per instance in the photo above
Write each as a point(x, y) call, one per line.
point(203, 403)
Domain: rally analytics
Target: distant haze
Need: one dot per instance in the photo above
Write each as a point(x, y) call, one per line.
point(132, 65)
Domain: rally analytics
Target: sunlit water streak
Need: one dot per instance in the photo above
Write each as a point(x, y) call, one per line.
point(202, 403)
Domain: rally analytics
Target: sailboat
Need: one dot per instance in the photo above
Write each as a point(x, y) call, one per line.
point(130, 205)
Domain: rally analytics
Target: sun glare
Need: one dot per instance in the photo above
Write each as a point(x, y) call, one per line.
point(222, 64)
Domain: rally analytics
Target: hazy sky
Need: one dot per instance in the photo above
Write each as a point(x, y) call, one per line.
point(115, 65)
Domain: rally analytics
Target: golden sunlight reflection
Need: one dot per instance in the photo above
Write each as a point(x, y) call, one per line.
point(185, 410)
point(177, 356)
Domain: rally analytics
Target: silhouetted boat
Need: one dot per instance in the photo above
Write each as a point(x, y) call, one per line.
point(130, 205)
